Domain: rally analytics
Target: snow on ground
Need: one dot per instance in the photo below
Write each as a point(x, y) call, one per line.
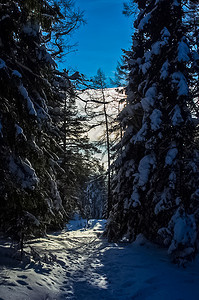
point(78, 263)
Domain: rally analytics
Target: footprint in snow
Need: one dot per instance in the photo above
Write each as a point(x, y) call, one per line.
point(22, 282)
point(22, 276)
point(12, 284)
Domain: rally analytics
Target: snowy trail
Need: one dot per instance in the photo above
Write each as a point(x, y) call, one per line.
point(81, 265)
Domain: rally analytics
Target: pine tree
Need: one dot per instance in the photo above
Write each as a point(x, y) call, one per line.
point(76, 155)
point(157, 173)
point(30, 199)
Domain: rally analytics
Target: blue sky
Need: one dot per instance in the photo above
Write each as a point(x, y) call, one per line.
point(100, 40)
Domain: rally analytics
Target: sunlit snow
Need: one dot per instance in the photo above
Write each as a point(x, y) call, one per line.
point(79, 264)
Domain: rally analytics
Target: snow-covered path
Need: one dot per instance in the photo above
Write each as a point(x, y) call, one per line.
point(81, 265)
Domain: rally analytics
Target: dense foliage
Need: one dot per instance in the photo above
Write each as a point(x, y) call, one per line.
point(155, 187)
point(36, 116)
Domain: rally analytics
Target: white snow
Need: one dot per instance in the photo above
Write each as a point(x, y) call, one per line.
point(135, 197)
point(172, 179)
point(179, 80)
point(30, 105)
point(184, 231)
point(176, 3)
point(16, 73)
point(164, 201)
point(165, 33)
point(31, 217)
point(4, 17)
point(57, 201)
point(183, 51)
point(43, 54)
point(155, 50)
point(144, 21)
point(156, 119)
point(195, 195)
point(81, 265)
point(24, 173)
point(140, 135)
point(156, 47)
point(144, 168)
point(171, 155)
point(177, 117)
point(149, 99)
point(2, 64)
point(164, 70)
point(144, 67)
point(19, 131)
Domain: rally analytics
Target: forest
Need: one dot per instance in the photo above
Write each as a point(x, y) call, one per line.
point(70, 144)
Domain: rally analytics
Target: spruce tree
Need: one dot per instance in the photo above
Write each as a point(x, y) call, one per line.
point(29, 196)
point(157, 173)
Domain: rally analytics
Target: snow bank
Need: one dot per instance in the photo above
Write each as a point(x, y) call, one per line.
point(77, 265)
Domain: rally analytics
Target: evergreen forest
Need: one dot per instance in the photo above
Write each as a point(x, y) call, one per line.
point(51, 168)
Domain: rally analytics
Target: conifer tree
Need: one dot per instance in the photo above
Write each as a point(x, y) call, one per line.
point(157, 173)
point(29, 197)
point(100, 83)
point(76, 155)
